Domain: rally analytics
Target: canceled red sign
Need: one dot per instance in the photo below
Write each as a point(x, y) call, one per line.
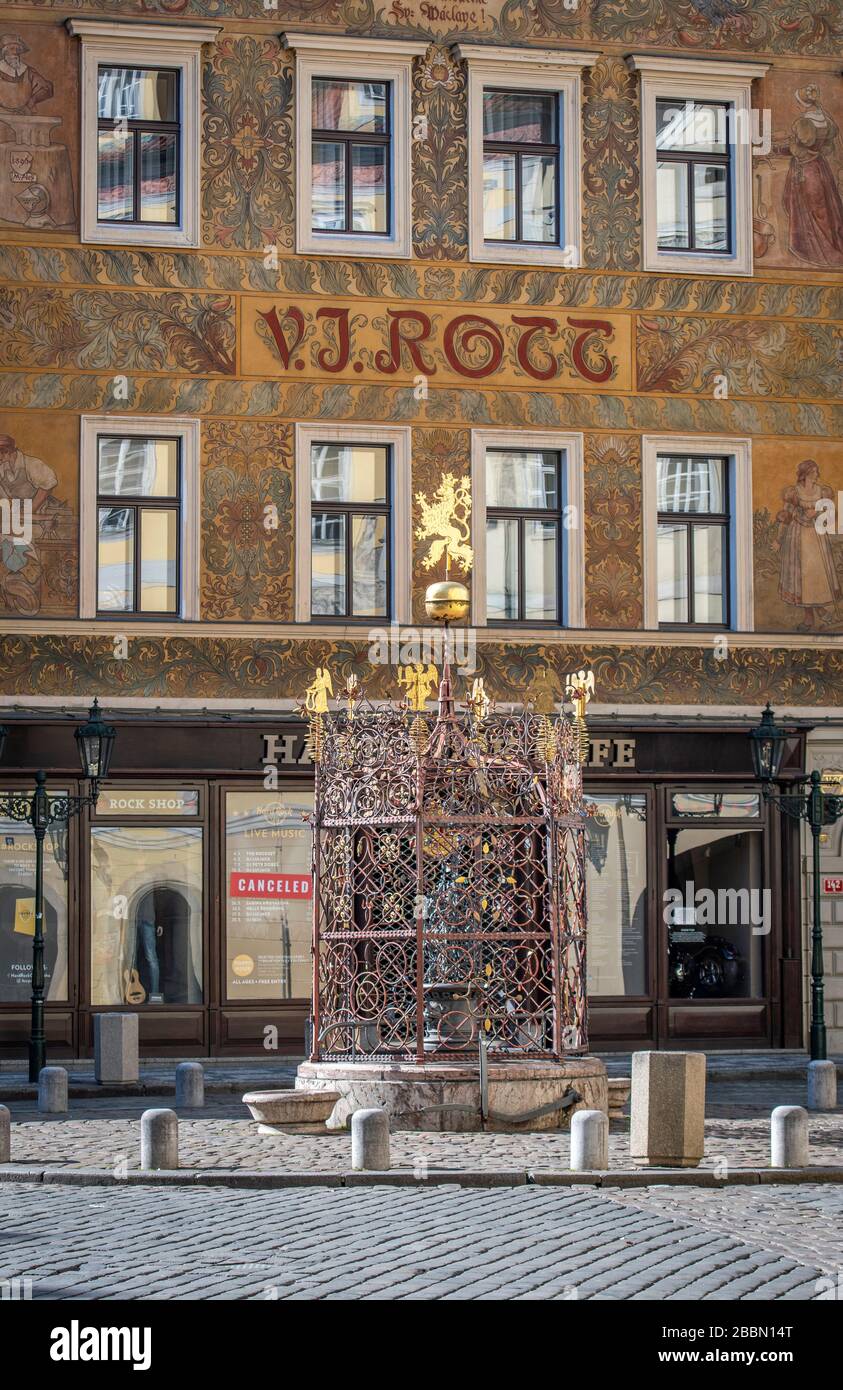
point(833, 886)
point(270, 885)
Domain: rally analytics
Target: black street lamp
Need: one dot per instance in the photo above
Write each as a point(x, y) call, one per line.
point(814, 805)
point(95, 741)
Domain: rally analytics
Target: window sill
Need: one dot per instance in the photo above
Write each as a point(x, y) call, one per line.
point(135, 234)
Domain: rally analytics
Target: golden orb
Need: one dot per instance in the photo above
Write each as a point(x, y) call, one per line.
point(447, 601)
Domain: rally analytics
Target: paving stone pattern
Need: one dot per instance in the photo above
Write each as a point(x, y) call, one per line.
point(437, 1243)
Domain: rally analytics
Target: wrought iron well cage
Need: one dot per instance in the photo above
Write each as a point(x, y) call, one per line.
point(449, 883)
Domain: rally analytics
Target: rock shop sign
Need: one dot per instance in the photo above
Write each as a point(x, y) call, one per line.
point(520, 347)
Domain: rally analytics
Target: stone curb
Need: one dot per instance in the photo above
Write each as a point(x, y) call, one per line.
point(256, 1178)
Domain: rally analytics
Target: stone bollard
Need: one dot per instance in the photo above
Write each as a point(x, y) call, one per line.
point(52, 1091)
point(370, 1140)
point(789, 1146)
point(115, 1049)
point(190, 1085)
point(159, 1139)
point(589, 1141)
point(667, 1128)
point(822, 1086)
point(5, 1135)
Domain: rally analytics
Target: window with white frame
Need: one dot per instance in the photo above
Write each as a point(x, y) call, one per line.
point(697, 140)
point(353, 524)
point(141, 161)
point(139, 537)
point(527, 493)
point(697, 532)
point(353, 164)
point(524, 154)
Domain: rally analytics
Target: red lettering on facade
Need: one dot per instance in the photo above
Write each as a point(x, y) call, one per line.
point(390, 362)
point(590, 327)
point(342, 348)
point(540, 371)
point(462, 336)
point(275, 326)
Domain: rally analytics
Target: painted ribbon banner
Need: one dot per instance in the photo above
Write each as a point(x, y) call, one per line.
point(245, 885)
point(377, 342)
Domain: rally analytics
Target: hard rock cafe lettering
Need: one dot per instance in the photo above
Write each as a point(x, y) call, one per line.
point(529, 347)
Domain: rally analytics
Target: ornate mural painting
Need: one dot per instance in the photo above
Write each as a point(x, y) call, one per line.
point(440, 159)
point(259, 668)
point(38, 128)
point(809, 27)
point(797, 491)
point(611, 165)
point(39, 501)
point(247, 548)
point(799, 184)
point(247, 189)
point(614, 577)
point(124, 332)
point(250, 346)
point(755, 358)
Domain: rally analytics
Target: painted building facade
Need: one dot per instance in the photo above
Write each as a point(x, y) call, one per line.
point(245, 247)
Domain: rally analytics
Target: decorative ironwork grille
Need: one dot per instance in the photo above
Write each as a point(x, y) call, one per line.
point(449, 883)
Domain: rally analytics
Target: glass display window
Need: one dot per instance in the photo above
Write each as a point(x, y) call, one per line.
point(268, 894)
point(17, 910)
point(616, 882)
point(146, 914)
point(718, 911)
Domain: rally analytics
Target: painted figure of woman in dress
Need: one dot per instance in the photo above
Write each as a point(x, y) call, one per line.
point(808, 577)
point(811, 196)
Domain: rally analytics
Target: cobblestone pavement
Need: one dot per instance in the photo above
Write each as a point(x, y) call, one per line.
point(805, 1223)
point(437, 1243)
point(105, 1133)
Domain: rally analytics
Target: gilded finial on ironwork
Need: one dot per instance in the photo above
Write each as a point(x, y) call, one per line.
point(418, 683)
point(579, 688)
point(316, 705)
point(316, 695)
point(478, 702)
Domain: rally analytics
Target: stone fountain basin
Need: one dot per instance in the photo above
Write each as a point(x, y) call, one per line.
point(291, 1112)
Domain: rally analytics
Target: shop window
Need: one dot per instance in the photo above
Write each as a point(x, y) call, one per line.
point(524, 142)
point(693, 541)
point(353, 524)
point(616, 881)
point(146, 915)
point(269, 894)
point(527, 501)
point(350, 495)
point(17, 910)
point(139, 530)
point(696, 163)
point(524, 490)
point(141, 131)
point(353, 138)
point(717, 912)
point(725, 805)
